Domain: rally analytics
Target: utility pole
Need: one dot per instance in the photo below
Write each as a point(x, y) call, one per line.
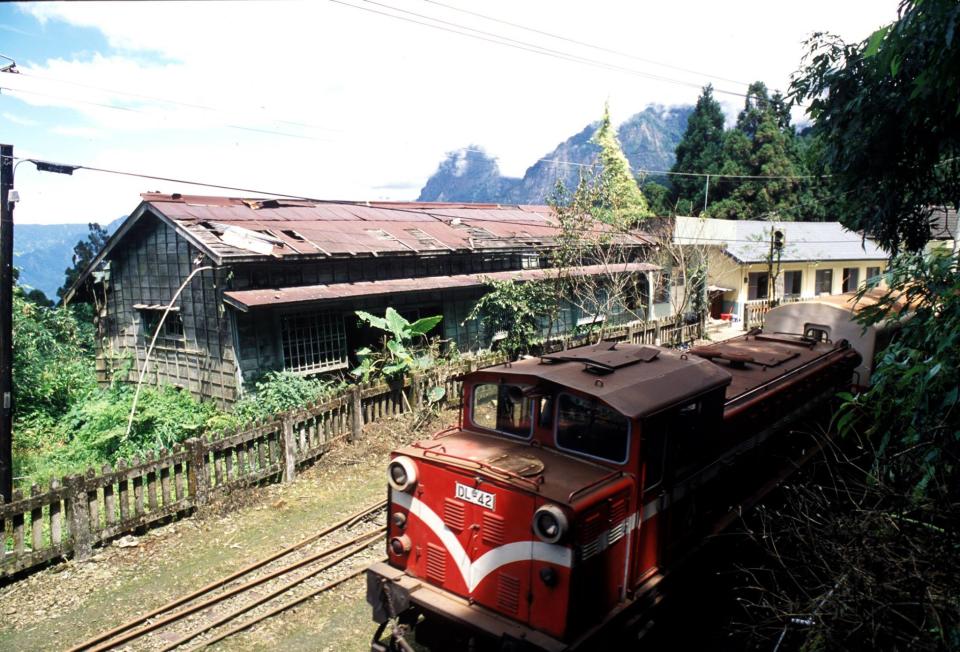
point(6, 322)
point(706, 193)
point(771, 286)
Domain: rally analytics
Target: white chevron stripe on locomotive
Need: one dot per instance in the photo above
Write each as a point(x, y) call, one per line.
point(473, 572)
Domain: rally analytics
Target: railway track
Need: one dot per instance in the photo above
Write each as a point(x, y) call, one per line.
point(252, 594)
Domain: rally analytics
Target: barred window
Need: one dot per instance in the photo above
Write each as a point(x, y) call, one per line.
point(313, 342)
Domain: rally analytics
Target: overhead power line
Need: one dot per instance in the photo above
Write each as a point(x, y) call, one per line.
point(754, 177)
point(435, 213)
point(272, 132)
point(585, 44)
point(498, 39)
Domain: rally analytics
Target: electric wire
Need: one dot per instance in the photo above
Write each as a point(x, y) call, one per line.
point(483, 35)
point(585, 44)
point(435, 214)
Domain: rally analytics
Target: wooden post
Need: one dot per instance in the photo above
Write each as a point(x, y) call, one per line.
point(288, 444)
point(197, 482)
point(56, 532)
point(17, 524)
point(356, 415)
point(78, 516)
point(36, 521)
point(415, 391)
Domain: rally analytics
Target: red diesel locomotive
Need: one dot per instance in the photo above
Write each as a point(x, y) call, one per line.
point(576, 483)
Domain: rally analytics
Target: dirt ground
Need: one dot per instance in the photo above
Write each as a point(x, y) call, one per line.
point(70, 602)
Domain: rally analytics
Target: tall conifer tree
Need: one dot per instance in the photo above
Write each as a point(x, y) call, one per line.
point(762, 145)
point(621, 201)
point(700, 149)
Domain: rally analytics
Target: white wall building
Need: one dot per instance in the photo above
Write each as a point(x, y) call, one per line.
point(817, 258)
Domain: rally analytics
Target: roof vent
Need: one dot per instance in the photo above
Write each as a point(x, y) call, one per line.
point(380, 234)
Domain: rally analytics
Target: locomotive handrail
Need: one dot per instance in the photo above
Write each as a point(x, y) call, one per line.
point(483, 466)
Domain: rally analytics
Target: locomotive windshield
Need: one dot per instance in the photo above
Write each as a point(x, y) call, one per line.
point(503, 408)
point(588, 427)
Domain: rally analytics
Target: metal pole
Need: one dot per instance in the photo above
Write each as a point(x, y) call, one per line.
point(771, 287)
point(6, 322)
point(706, 193)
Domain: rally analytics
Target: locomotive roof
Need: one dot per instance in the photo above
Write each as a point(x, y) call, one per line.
point(636, 380)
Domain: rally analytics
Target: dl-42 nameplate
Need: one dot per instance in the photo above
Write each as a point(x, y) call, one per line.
point(476, 496)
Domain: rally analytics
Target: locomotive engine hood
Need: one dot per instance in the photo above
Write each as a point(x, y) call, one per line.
point(546, 473)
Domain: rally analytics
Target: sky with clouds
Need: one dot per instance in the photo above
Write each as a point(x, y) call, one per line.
point(356, 99)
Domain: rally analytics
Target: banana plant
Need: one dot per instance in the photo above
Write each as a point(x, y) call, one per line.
point(400, 355)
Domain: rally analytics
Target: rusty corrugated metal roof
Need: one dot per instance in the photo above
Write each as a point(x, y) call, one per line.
point(296, 228)
point(246, 299)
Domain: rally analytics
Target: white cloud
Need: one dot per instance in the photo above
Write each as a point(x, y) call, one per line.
point(18, 120)
point(78, 132)
point(382, 99)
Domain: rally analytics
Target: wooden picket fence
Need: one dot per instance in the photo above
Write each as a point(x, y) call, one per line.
point(754, 312)
point(669, 331)
point(79, 512)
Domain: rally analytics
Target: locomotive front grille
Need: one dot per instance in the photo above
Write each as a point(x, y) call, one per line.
point(436, 563)
point(618, 521)
point(454, 514)
point(493, 529)
point(508, 593)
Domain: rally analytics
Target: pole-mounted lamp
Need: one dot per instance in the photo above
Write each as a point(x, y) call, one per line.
point(8, 199)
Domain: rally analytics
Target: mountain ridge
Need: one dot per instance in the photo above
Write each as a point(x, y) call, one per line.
point(43, 252)
point(649, 139)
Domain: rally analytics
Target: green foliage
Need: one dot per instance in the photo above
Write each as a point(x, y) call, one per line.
point(912, 404)
point(515, 309)
point(83, 254)
point(659, 198)
point(92, 431)
point(700, 149)
point(275, 392)
point(52, 358)
point(401, 354)
point(621, 202)
point(886, 111)
point(761, 144)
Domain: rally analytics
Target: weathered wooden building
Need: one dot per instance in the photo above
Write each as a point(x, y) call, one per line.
point(285, 278)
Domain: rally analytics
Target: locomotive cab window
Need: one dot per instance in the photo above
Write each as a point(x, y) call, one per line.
point(587, 427)
point(503, 408)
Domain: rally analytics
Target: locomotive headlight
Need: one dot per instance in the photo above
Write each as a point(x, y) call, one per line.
point(400, 545)
point(550, 523)
point(402, 474)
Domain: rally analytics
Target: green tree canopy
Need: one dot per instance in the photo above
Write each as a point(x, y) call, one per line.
point(83, 254)
point(700, 150)
point(761, 145)
point(886, 110)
